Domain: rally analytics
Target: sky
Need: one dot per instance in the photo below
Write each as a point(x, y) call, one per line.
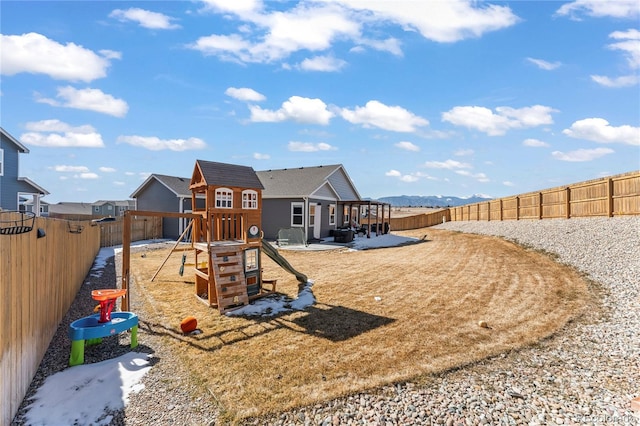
point(84, 394)
point(428, 97)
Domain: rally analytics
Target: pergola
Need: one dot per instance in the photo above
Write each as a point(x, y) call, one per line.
point(379, 218)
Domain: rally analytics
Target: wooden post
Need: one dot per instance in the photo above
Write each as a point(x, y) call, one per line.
point(610, 197)
point(539, 205)
point(501, 209)
point(126, 256)
point(568, 201)
point(518, 207)
point(488, 211)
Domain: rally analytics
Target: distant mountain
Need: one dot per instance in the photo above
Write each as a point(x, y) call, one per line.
point(432, 200)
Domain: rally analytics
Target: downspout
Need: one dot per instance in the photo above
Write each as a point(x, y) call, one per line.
point(181, 220)
point(305, 219)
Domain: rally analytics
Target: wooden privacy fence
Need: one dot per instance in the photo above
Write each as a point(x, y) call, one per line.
point(142, 228)
point(419, 221)
point(41, 272)
point(612, 196)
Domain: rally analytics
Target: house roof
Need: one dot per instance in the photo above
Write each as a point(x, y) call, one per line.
point(298, 182)
point(38, 189)
point(118, 203)
point(71, 208)
point(231, 175)
point(21, 148)
point(175, 184)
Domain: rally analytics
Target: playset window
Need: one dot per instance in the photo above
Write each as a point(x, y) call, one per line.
point(249, 199)
point(224, 198)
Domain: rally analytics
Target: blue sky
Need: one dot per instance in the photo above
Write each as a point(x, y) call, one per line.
point(413, 98)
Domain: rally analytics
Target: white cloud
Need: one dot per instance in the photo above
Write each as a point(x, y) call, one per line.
point(449, 165)
point(154, 143)
point(36, 54)
point(88, 99)
point(72, 169)
point(377, 114)
point(298, 109)
point(414, 177)
point(622, 81)
point(272, 35)
point(542, 64)
point(629, 45)
point(107, 169)
point(599, 130)
point(508, 183)
point(480, 177)
point(599, 9)
point(58, 134)
point(497, 124)
point(145, 18)
point(88, 175)
point(309, 147)
point(244, 94)
point(407, 146)
point(534, 143)
point(259, 156)
point(322, 63)
point(581, 154)
point(446, 21)
point(463, 152)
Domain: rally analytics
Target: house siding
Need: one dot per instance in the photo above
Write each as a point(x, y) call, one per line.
point(342, 186)
point(9, 184)
point(276, 214)
point(157, 197)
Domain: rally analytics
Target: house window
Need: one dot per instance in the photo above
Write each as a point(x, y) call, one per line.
point(345, 215)
point(109, 207)
point(332, 214)
point(297, 214)
point(96, 209)
point(224, 198)
point(249, 199)
point(312, 215)
point(1, 162)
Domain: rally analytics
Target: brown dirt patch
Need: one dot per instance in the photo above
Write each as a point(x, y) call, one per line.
point(382, 316)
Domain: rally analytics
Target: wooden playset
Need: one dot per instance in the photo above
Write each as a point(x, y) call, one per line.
point(228, 239)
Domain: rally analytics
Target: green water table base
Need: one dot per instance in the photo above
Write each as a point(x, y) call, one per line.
point(89, 331)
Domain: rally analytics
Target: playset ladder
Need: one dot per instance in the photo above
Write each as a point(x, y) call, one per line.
point(228, 276)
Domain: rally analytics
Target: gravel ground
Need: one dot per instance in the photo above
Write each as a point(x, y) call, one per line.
point(587, 373)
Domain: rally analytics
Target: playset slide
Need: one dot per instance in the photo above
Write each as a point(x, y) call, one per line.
point(272, 252)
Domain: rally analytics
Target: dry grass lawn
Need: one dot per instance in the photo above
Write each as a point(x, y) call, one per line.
point(382, 316)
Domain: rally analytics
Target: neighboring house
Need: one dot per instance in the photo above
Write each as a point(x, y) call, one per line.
point(162, 193)
point(16, 192)
point(29, 206)
point(86, 211)
point(315, 199)
point(112, 208)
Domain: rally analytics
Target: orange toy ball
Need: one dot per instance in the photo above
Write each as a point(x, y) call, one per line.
point(188, 324)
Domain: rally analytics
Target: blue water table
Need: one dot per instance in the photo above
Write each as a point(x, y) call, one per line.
point(90, 330)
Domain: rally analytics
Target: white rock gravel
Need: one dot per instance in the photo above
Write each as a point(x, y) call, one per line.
point(586, 374)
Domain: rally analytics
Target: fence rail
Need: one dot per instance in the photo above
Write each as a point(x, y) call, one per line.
point(41, 272)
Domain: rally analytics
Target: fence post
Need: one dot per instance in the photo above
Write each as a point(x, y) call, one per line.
point(610, 197)
point(500, 209)
point(568, 201)
point(539, 205)
point(517, 207)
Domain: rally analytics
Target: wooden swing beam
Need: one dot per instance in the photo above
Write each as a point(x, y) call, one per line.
point(126, 243)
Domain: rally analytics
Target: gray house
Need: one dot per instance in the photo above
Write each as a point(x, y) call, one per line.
point(113, 208)
point(16, 192)
point(162, 193)
point(316, 200)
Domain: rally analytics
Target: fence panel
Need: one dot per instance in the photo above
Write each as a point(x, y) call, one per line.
point(40, 277)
